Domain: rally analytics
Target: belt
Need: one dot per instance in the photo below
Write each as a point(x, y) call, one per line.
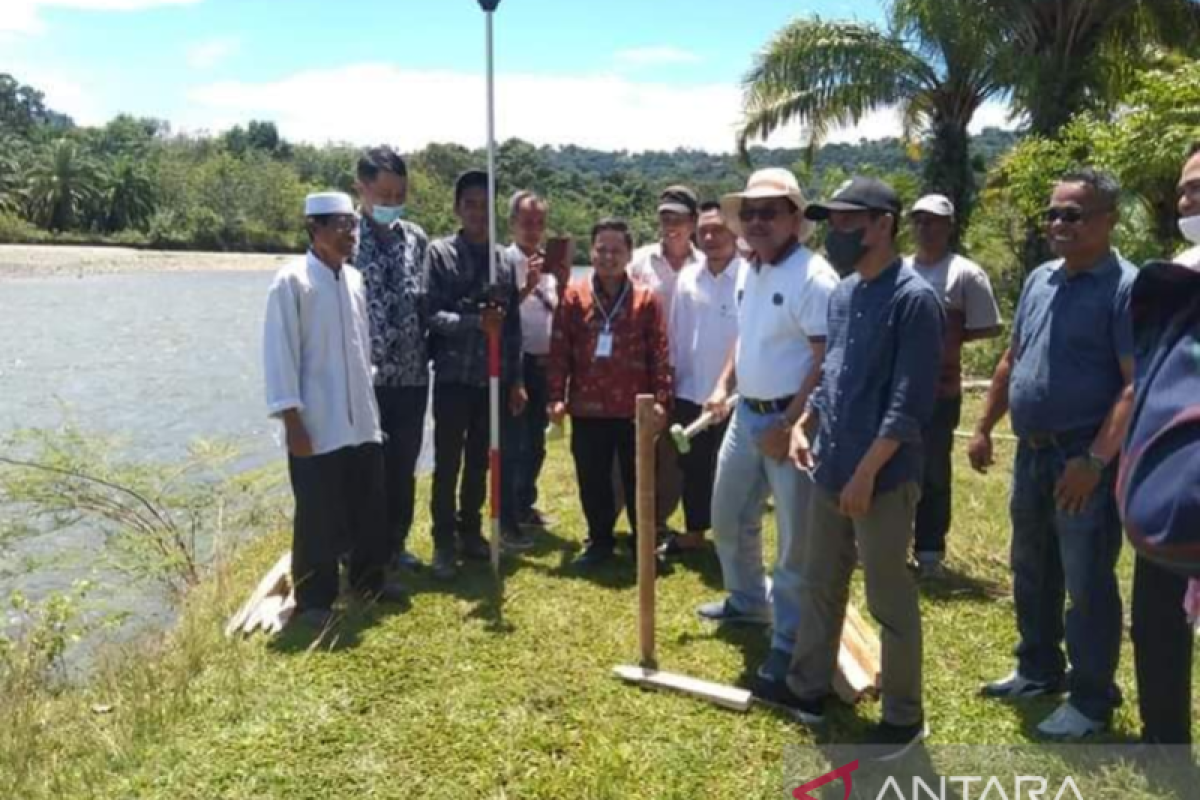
point(777, 405)
point(541, 361)
point(1040, 440)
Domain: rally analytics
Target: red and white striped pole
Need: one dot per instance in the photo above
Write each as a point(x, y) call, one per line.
point(489, 8)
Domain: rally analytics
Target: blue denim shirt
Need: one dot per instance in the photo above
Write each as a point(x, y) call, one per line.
point(880, 376)
point(1069, 336)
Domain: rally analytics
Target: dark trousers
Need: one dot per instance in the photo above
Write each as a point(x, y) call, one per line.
point(402, 417)
point(460, 444)
point(699, 466)
point(596, 444)
point(933, 512)
point(339, 510)
point(1055, 554)
point(1162, 654)
point(529, 444)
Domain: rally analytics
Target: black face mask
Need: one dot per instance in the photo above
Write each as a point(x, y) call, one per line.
point(845, 249)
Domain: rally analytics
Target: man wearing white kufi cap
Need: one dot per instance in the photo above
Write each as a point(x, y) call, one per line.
point(782, 300)
point(317, 365)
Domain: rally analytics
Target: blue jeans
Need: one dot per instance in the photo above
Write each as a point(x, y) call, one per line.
point(745, 477)
point(1057, 555)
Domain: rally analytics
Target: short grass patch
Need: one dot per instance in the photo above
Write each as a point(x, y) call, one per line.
point(460, 696)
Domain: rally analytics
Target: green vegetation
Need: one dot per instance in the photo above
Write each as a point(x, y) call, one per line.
point(933, 63)
point(455, 698)
point(136, 182)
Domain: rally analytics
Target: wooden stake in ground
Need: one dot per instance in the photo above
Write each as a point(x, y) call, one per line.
point(646, 529)
point(858, 657)
point(647, 675)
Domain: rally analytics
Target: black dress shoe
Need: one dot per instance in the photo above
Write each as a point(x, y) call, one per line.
point(474, 548)
point(444, 566)
point(593, 556)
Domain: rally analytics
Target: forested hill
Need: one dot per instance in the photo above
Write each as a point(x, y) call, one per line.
point(138, 182)
point(881, 155)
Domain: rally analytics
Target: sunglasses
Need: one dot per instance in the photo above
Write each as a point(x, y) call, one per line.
point(764, 213)
point(1071, 215)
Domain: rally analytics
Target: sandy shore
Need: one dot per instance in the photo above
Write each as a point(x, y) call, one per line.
point(23, 261)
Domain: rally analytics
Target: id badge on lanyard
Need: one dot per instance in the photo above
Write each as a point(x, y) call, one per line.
point(604, 344)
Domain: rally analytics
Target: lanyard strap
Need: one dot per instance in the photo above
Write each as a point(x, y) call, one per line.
point(609, 317)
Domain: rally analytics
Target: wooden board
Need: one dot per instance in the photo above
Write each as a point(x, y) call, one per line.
point(277, 582)
point(859, 659)
point(730, 697)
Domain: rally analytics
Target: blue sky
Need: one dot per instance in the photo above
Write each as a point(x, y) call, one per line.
point(634, 74)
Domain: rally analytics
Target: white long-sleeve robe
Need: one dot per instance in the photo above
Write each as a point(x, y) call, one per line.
point(317, 353)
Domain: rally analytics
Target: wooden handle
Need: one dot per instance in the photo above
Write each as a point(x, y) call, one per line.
point(706, 419)
point(646, 526)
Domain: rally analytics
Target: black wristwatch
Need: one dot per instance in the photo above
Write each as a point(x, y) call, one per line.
point(1095, 462)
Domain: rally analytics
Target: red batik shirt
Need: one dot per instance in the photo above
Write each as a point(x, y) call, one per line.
point(639, 363)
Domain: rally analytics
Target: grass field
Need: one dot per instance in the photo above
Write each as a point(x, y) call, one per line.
point(461, 697)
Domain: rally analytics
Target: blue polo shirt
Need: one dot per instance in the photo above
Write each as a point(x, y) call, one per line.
point(880, 376)
point(1069, 336)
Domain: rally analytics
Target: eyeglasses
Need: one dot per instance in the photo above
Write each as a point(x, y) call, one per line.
point(765, 213)
point(341, 223)
point(1071, 215)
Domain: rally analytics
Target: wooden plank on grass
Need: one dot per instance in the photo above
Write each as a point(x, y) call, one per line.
point(730, 697)
point(277, 581)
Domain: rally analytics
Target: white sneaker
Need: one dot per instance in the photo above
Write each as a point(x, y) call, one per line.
point(1069, 723)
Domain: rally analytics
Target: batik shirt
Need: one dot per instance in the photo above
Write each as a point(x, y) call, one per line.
point(393, 269)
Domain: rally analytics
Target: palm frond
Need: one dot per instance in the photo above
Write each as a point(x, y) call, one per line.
point(822, 74)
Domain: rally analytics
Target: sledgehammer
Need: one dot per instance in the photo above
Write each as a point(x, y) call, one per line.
point(682, 437)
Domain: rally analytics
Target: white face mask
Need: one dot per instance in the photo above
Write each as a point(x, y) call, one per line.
point(1190, 228)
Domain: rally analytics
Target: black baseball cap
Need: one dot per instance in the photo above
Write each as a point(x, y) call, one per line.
point(857, 194)
point(678, 199)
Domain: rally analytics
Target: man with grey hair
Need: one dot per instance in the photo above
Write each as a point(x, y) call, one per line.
point(1067, 377)
point(539, 298)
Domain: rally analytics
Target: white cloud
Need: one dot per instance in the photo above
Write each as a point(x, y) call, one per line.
point(208, 54)
point(21, 16)
point(655, 56)
point(409, 108)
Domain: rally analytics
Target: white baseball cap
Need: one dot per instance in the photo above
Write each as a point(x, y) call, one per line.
point(937, 204)
point(320, 204)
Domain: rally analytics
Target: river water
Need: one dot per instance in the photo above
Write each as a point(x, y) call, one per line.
point(158, 359)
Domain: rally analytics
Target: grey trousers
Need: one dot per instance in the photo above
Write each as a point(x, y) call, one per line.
point(881, 540)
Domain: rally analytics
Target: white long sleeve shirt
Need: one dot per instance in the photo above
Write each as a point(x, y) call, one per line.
point(703, 327)
point(317, 353)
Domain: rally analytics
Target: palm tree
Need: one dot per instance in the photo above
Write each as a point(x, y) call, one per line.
point(9, 173)
point(1068, 56)
point(934, 62)
point(1065, 57)
point(62, 185)
point(129, 195)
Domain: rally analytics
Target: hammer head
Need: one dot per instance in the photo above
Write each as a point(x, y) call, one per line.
point(682, 443)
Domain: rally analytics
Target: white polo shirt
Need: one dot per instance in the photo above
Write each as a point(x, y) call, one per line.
point(1189, 257)
point(650, 268)
point(780, 308)
point(537, 310)
point(703, 327)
